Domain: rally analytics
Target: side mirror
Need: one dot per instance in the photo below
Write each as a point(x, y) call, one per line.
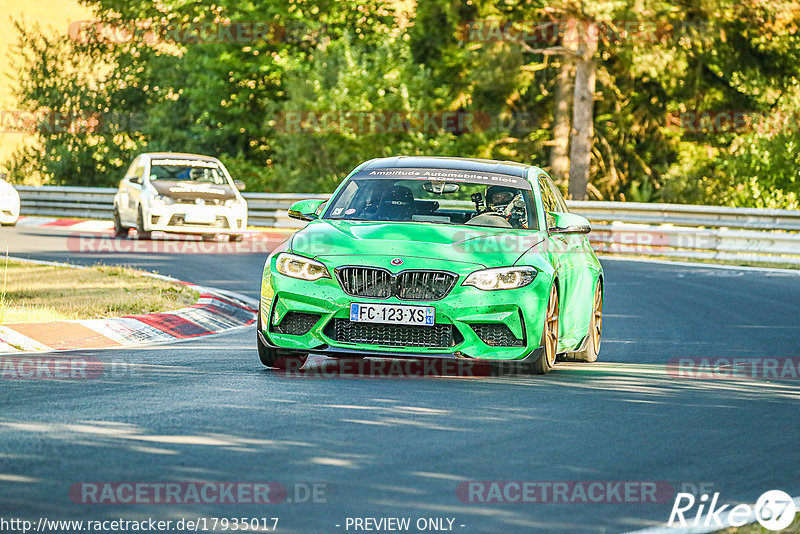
point(135, 179)
point(240, 185)
point(569, 223)
point(305, 210)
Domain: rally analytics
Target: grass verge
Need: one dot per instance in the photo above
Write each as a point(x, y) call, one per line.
point(32, 293)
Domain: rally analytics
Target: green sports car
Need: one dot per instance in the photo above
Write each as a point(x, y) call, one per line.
point(430, 257)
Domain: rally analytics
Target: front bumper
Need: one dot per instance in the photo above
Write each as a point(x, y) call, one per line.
point(342, 352)
point(466, 311)
point(192, 219)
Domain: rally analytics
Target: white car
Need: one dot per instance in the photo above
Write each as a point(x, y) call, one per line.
point(9, 203)
point(179, 193)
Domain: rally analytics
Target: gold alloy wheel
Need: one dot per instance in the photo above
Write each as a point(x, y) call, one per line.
point(551, 328)
point(597, 322)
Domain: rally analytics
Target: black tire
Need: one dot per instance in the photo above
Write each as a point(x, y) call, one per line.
point(272, 358)
point(236, 238)
point(119, 230)
point(591, 347)
point(140, 232)
point(209, 237)
point(545, 363)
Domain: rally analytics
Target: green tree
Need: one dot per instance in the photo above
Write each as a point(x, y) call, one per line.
point(86, 129)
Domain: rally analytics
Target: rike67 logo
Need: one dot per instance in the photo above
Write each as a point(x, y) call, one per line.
point(774, 510)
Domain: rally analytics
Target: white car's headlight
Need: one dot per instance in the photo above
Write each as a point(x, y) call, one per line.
point(502, 278)
point(233, 203)
point(161, 200)
point(300, 267)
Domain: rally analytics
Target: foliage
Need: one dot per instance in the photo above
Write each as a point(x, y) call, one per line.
point(83, 138)
point(232, 99)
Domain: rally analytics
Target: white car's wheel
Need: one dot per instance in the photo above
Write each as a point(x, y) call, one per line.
point(119, 230)
point(141, 233)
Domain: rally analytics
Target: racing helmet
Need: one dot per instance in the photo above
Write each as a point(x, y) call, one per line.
point(499, 197)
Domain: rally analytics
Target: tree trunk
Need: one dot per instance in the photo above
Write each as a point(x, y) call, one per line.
point(559, 151)
point(583, 112)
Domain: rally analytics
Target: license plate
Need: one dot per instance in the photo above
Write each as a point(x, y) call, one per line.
point(200, 217)
point(390, 314)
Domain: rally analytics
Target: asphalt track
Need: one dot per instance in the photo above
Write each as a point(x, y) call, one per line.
point(206, 410)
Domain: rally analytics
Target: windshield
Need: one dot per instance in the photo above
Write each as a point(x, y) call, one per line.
point(435, 196)
point(187, 170)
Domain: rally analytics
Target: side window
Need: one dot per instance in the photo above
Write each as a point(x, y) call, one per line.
point(548, 200)
point(136, 171)
point(132, 169)
point(140, 171)
point(562, 205)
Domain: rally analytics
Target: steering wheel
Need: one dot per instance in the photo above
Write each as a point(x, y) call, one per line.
point(501, 221)
point(491, 212)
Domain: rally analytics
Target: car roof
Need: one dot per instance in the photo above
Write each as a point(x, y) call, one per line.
point(181, 155)
point(462, 164)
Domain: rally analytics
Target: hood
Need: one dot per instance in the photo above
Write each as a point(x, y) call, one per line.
point(185, 189)
point(366, 242)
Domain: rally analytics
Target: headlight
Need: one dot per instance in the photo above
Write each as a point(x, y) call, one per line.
point(233, 203)
point(161, 200)
point(503, 278)
point(300, 267)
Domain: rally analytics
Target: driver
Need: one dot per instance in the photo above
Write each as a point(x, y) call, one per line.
point(509, 203)
point(197, 174)
point(498, 197)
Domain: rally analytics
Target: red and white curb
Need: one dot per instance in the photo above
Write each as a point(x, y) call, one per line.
point(80, 225)
point(216, 311)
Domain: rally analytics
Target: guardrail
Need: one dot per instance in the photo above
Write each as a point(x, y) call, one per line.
point(703, 232)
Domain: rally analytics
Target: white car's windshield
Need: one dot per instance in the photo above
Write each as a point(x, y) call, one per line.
point(187, 170)
point(436, 197)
